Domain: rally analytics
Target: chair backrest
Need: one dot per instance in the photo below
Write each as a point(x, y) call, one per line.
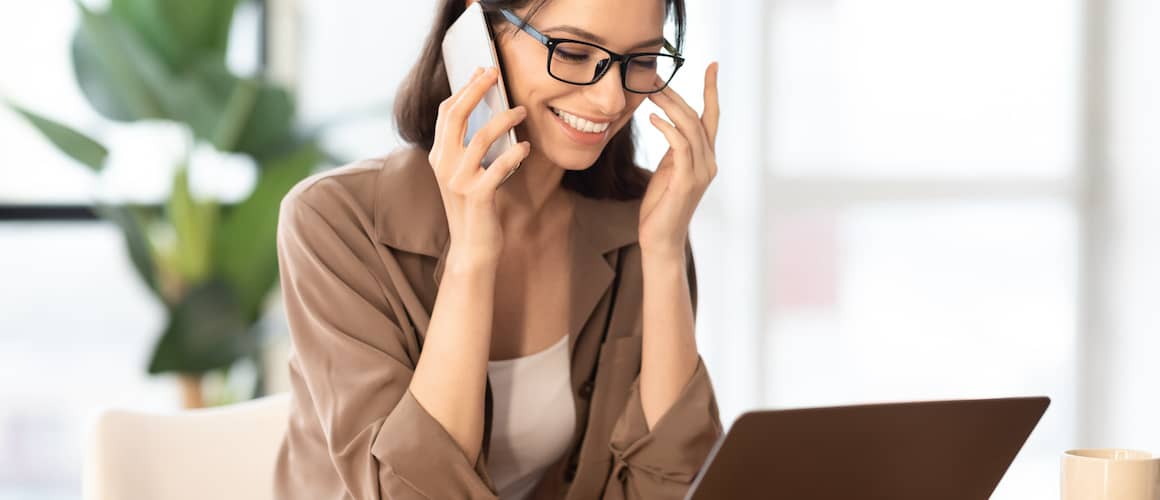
point(220, 453)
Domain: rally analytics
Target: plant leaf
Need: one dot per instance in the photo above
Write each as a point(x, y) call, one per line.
point(268, 133)
point(106, 58)
point(79, 146)
point(132, 225)
point(245, 253)
point(238, 110)
point(197, 98)
point(194, 222)
point(206, 331)
point(182, 31)
point(127, 79)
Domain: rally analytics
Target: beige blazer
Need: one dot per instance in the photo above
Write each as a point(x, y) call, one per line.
point(361, 250)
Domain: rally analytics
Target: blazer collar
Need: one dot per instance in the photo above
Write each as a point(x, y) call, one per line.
point(409, 216)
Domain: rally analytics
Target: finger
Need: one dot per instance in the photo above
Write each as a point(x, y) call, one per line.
point(685, 119)
point(712, 115)
point(679, 145)
point(466, 101)
point(504, 166)
point(671, 93)
point(442, 121)
point(489, 133)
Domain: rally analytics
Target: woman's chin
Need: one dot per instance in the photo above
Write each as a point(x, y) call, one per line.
point(577, 161)
point(569, 158)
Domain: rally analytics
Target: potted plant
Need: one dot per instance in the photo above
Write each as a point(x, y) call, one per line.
point(211, 264)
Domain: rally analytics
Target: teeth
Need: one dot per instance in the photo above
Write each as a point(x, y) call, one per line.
point(579, 123)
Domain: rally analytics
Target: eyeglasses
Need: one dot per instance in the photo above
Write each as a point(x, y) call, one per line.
point(583, 63)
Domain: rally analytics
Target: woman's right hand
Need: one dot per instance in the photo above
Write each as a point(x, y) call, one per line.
point(468, 189)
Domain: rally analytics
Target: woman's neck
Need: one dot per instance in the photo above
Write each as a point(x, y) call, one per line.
point(532, 198)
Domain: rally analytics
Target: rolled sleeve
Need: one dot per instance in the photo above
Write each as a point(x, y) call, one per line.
point(410, 446)
point(351, 369)
point(662, 462)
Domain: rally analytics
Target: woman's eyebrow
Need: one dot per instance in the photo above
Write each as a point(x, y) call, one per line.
point(598, 39)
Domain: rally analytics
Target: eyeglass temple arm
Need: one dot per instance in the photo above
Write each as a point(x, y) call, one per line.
point(514, 19)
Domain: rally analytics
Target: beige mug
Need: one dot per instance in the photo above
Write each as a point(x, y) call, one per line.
point(1109, 474)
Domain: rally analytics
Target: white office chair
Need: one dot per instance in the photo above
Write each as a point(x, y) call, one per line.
point(218, 453)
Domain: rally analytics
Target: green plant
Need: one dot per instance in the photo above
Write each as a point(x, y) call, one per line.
point(212, 265)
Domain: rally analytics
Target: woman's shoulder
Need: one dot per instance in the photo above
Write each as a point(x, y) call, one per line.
point(393, 199)
point(356, 184)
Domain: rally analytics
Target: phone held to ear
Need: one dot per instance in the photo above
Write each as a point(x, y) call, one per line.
point(466, 46)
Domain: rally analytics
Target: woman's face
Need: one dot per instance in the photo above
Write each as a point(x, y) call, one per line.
point(618, 25)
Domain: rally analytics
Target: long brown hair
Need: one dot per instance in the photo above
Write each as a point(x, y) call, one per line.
point(614, 174)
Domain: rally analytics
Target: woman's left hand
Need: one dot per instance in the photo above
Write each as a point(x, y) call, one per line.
point(684, 173)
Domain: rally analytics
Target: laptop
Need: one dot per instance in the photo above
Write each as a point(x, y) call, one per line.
point(946, 450)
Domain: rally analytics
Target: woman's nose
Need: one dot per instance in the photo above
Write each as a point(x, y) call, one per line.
point(608, 92)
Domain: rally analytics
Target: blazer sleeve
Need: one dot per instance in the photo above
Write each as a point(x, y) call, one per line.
point(661, 463)
point(348, 351)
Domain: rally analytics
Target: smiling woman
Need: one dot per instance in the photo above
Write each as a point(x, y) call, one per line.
point(600, 168)
point(458, 338)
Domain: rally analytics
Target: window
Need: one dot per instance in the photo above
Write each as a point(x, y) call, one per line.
point(909, 172)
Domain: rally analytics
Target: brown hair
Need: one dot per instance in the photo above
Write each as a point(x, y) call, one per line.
point(614, 174)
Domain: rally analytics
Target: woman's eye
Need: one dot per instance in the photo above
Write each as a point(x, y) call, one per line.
point(571, 56)
point(644, 62)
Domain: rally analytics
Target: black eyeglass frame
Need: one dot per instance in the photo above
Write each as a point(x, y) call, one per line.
point(623, 59)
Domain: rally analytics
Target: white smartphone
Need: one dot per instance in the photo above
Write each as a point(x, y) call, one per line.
point(466, 46)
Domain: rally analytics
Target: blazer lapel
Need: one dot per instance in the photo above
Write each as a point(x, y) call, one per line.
point(600, 227)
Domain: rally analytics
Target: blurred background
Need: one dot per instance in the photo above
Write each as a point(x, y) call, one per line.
point(918, 199)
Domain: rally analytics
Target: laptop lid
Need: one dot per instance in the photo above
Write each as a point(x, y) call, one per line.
point(949, 450)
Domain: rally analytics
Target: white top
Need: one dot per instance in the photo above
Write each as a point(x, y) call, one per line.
point(533, 418)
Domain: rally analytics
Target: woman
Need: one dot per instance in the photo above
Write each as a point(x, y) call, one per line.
point(557, 359)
